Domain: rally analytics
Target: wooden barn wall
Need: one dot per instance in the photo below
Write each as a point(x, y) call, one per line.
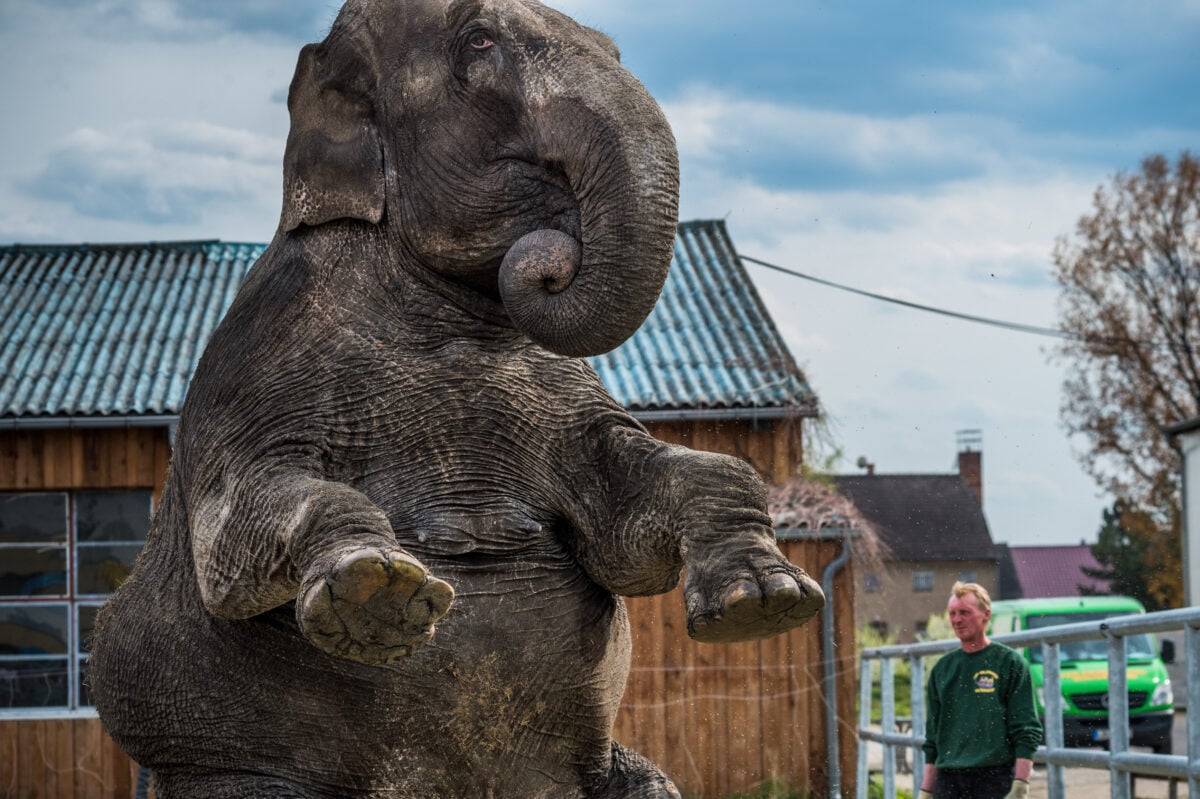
point(723, 719)
point(772, 447)
point(62, 759)
point(61, 460)
point(73, 758)
point(718, 719)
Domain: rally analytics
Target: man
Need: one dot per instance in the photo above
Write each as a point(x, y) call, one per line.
point(982, 725)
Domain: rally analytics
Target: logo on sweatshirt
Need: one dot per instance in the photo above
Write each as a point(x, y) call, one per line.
point(985, 682)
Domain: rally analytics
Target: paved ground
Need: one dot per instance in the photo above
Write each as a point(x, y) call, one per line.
point(1081, 783)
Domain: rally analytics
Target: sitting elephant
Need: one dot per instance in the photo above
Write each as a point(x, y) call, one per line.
point(393, 428)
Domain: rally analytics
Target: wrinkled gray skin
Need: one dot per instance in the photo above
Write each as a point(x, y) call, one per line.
point(392, 428)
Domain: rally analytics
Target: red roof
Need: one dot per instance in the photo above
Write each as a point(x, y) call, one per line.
point(1055, 570)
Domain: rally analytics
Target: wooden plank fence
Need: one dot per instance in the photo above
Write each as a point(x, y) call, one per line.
point(726, 719)
point(61, 758)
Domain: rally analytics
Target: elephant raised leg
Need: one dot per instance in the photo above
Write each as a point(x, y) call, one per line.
point(633, 777)
point(668, 507)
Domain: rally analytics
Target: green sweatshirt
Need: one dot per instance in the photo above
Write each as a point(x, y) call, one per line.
point(980, 709)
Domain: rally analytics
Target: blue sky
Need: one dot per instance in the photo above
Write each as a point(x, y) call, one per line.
point(931, 151)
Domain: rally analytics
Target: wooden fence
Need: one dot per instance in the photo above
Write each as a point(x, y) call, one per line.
point(61, 759)
point(725, 719)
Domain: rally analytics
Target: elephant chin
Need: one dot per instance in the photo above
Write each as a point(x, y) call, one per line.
point(538, 288)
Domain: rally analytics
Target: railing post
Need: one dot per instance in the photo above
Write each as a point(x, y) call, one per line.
point(1118, 712)
point(887, 694)
point(1191, 646)
point(917, 694)
point(1053, 702)
point(864, 722)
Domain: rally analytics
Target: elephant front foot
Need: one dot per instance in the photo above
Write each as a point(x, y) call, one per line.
point(755, 601)
point(374, 606)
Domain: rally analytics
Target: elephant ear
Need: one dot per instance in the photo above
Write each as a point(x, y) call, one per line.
point(333, 164)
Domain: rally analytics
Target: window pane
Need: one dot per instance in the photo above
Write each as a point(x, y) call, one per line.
point(103, 568)
point(87, 625)
point(33, 629)
point(33, 571)
point(33, 683)
point(85, 694)
point(33, 518)
point(112, 515)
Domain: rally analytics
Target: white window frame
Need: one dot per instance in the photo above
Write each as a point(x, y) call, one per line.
point(72, 601)
point(919, 581)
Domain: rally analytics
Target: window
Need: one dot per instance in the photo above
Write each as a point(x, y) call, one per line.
point(871, 583)
point(880, 628)
point(61, 554)
point(967, 577)
point(922, 581)
point(921, 627)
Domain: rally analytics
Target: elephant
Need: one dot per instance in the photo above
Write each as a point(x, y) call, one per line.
point(395, 428)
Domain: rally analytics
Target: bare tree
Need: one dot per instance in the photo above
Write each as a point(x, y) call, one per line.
point(1130, 298)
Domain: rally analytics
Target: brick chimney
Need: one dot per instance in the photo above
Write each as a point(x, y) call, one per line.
point(970, 459)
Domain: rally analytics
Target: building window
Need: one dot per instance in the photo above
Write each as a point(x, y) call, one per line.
point(967, 577)
point(921, 628)
point(872, 584)
point(880, 628)
point(922, 581)
point(61, 555)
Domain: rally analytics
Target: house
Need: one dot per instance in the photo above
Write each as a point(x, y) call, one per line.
point(1049, 571)
point(933, 533)
point(99, 343)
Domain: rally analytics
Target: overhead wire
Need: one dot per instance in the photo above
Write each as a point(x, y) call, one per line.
point(983, 320)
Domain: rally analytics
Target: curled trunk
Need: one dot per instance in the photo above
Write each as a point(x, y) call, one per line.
point(585, 297)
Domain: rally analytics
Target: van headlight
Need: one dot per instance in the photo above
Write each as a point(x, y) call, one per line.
point(1163, 695)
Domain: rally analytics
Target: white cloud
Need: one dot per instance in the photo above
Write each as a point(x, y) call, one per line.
point(711, 125)
point(158, 172)
point(868, 361)
point(1026, 62)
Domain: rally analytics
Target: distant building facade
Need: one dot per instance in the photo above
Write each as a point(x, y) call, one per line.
point(933, 533)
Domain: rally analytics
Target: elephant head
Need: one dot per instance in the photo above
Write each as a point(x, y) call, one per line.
point(498, 145)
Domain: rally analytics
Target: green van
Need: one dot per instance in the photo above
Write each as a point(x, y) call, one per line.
point(1085, 669)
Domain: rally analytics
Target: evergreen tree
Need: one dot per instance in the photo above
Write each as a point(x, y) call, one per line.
point(1136, 558)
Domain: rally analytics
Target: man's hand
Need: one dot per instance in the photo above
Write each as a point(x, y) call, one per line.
point(925, 794)
point(1019, 790)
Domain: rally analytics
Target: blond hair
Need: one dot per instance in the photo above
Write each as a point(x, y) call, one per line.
point(982, 598)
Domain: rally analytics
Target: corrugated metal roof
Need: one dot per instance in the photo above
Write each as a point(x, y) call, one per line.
point(117, 329)
point(110, 329)
point(709, 343)
point(922, 516)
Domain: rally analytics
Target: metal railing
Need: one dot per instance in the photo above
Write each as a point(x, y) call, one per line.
point(1118, 760)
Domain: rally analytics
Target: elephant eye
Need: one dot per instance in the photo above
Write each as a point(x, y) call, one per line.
point(480, 40)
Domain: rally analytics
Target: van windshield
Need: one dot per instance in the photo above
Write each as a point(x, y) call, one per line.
point(1138, 647)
